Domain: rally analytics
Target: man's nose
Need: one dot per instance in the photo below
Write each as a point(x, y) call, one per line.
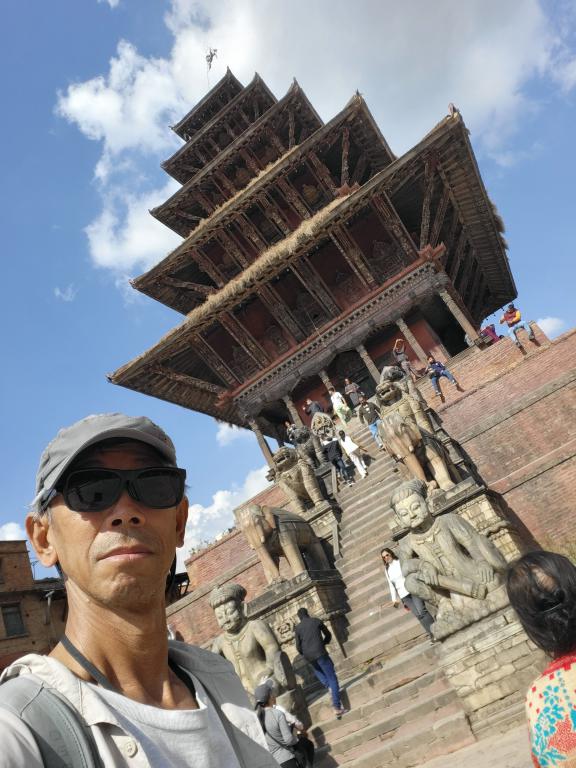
point(126, 511)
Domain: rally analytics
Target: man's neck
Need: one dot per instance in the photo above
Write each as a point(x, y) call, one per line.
point(129, 647)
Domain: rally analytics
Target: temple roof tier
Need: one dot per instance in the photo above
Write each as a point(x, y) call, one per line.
point(235, 405)
point(225, 127)
point(464, 218)
point(215, 100)
point(373, 154)
point(258, 148)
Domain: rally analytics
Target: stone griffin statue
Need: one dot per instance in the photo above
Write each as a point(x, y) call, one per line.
point(446, 562)
point(323, 427)
point(250, 645)
point(307, 446)
point(296, 478)
point(408, 437)
point(273, 532)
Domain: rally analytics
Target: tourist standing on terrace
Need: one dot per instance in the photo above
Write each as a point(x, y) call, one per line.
point(401, 358)
point(352, 392)
point(542, 590)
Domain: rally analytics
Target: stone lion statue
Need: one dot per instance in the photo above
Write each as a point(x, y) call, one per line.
point(296, 478)
point(273, 532)
point(408, 437)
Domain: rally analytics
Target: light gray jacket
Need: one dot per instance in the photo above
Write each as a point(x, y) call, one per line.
point(117, 748)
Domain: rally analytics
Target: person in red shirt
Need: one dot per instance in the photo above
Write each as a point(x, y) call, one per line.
point(513, 319)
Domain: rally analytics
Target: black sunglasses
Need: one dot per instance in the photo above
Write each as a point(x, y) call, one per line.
point(93, 490)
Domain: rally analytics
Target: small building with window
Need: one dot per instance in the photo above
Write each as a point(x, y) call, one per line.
point(32, 610)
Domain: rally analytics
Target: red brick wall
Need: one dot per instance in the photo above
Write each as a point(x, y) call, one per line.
point(516, 420)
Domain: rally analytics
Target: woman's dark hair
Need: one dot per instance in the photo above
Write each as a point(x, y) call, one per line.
point(542, 590)
point(389, 551)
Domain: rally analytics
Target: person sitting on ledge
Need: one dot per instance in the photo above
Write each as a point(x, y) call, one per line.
point(435, 371)
point(513, 319)
point(542, 590)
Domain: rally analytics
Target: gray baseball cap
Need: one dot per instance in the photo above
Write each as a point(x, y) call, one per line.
point(71, 441)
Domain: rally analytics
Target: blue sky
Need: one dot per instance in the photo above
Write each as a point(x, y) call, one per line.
point(89, 89)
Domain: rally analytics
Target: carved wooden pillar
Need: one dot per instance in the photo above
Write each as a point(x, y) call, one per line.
point(460, 317)
point(264, 447)
point(368, 362)
point(412, 340)
point(293, 411)
point(325, 378)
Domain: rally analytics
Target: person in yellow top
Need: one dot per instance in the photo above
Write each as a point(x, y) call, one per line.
point(513, 319)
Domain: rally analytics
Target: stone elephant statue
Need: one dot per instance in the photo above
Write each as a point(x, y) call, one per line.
point(272, 532)
point(420, 454)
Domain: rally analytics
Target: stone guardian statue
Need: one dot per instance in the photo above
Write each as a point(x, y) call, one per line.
point(446, 562)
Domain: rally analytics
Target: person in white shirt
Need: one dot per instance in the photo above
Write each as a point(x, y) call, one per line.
point(354, 451)
point(399, 593)
point(340, 406)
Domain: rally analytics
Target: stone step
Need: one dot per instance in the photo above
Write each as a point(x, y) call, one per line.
point(396, 635)
point(376, 531)
point(389, 620)
point(439, 733)
point(379, 719)
point(394, 677)
point(367, 591)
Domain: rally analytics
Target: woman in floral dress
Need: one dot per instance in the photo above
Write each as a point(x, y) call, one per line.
point(542, 590)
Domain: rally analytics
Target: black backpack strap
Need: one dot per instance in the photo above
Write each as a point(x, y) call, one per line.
point(62, 736)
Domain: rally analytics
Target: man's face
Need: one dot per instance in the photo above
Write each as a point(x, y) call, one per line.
point(229, 616)
point(412, 512)
point(118, 557)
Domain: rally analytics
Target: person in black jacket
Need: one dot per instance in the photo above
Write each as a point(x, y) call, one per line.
point(312, 636)
point(332, 452)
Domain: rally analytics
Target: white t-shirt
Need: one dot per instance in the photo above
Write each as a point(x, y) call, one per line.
point(175, 738)
point(349, 445)
point(396, 581)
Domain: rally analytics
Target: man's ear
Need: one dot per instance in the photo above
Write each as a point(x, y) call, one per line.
point(181, 518)
point(38, 532)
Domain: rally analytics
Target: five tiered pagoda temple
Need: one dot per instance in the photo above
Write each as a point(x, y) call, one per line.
point(308, 249)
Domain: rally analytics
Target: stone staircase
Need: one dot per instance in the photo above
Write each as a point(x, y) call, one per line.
point(402, 711)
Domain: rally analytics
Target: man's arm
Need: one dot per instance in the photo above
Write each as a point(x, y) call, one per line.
point(298, 640)
point(325, 632)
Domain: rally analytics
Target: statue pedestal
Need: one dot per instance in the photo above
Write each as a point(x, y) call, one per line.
point(491, 664)
point(322, 594)
point(324, 520)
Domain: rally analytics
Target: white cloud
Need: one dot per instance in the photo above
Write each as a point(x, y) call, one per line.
point(229, 433)
point(12, 532)
point(125, 236)
point(205, 523)
point(408, 59)
point(67, 294)
point(552, 326)
point(111, 3)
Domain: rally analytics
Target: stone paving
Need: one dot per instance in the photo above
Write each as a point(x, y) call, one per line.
point(508, 750)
